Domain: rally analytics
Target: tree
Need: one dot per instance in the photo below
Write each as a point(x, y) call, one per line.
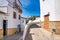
point(32, 18)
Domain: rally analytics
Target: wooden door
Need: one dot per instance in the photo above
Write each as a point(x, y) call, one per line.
point(46, 21)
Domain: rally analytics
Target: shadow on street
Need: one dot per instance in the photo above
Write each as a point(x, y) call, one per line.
point(17, 36)
point(35, 26)
point(29, 35)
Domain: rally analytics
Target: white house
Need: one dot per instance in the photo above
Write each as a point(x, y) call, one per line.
point(37, 17)
point(10, 11)
point(23, 23)
point(37, 20)
point(50, 14)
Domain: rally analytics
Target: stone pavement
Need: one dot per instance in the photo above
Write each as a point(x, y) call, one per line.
point(37, 33)
point(17, 36)
point(49, 35)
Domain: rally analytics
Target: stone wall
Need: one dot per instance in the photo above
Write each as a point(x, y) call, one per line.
point(11, 31)
point(1, 33)
point(56, 25)
point(53, 24)
point(42, 24)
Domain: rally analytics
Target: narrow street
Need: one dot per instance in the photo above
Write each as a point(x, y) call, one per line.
point(34, 33)
point(17, 36)
point(37, 33)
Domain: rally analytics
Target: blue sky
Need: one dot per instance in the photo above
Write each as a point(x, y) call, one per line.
point(30, 8)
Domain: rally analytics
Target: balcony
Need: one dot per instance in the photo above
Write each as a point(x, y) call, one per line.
point(4, 10)
point(20, 10)
point(1, 12)
point(16, 6)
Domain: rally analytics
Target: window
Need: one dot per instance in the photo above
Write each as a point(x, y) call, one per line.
point(14, 15)
point(19, 17)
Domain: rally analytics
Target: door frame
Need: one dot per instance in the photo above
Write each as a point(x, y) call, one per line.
point(5, 30)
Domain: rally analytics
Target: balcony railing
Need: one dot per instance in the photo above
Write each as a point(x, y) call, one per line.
point(20, 10)
point(15, 5)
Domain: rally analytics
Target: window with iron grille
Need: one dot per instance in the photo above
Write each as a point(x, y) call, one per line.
point(14, 15)
point(19, 17)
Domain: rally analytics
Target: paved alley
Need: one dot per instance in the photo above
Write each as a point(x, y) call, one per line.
point(17, 36)
point(37, 33)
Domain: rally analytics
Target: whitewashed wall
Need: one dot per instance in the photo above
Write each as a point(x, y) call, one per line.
point(4, 9)
point(57, 6)
point(23, 23)
point(10, 17)
point(47, 6)
point(1, 21)
point(12, 23)
point(50, 6)
point(3, 3)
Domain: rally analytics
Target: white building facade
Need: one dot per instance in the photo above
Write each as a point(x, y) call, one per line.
point(23, 23)
point(10, 11)
point(50, 14)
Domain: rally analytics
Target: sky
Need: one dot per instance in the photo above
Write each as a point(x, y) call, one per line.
point(30, 8)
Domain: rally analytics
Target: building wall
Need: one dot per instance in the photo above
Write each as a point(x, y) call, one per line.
point(23, 23)
point(57, 7)
point(57, 16)
point(47, 6)
point(4, 9)
point(46, 22)
point(11, 22)
point(1, 21)
point(53, 8)
point(3, 3)
point(1, 24)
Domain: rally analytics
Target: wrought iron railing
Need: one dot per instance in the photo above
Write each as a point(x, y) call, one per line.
point(15, 5)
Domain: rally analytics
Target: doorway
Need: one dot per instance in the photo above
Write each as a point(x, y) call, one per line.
point(46, 21)
point(4, 27)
